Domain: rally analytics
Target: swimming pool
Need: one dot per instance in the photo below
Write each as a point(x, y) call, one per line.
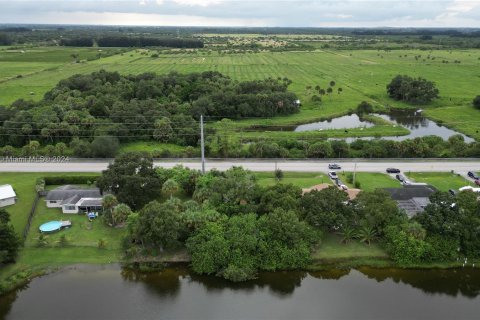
point(51, 226)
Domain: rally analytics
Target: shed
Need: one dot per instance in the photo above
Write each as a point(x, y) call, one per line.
point(7, 195)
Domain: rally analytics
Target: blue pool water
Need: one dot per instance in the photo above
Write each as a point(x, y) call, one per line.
point(51, 226)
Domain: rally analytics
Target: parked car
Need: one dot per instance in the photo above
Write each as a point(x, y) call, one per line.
point(393, 170)
point(332, 175)
point(344, 187)
point(477, 182)
point(334, 166)
point(473, 175)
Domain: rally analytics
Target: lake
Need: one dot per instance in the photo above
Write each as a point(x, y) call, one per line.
point(110, 292)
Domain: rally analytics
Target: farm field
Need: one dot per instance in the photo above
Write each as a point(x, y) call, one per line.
point(362, 74)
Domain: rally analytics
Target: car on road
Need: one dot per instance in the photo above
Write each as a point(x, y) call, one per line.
point(344, 187)
point(400, 178)
point(393, 170)
point(334, 166)
point(473, 175)
point(332, 175)
point(477, 182)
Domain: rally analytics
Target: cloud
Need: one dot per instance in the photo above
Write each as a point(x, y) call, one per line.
point(288, 13)
point(201, 3)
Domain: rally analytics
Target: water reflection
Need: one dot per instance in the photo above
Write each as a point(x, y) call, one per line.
point(110, 292)
point(413, 120)
point(453, 282)
point(345, 122)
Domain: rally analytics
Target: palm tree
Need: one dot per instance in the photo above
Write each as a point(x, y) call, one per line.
point(367, 234)
point(348, 234)
point(170, 187)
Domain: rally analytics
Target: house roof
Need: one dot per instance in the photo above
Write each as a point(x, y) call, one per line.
point(91, 202)
point(67, 192)
point(6, 192)
point(409, 192)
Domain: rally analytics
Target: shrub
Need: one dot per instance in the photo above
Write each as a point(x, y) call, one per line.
point(476, 102)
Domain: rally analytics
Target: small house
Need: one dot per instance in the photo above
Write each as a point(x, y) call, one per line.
point(73, 199)
point(7, 195)
point(412, 198)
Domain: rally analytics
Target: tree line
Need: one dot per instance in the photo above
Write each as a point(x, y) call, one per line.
point(106, 105)
point(126, 41)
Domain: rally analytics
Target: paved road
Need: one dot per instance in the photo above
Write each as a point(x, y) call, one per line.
point(460, 166)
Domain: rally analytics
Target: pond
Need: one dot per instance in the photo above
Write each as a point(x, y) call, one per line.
point(344, 122)
point(416, 122)
point(110, 292)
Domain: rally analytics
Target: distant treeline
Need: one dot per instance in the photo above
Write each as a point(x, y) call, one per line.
point(124, 41)
point(417, 32)
point(5, 40)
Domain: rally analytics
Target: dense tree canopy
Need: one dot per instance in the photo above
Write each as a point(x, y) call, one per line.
point(106, 105)
point(413, 90)
point(132, 179)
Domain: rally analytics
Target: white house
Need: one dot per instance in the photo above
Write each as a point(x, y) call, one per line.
point(73, 199)
point(7, 195)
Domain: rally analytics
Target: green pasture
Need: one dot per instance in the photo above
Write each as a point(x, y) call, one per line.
point(362, 74)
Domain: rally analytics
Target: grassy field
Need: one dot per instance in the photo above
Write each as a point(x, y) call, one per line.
point(362, 74)
point(151, 146)
point(332, 248)
point(370, 181)
point(440, 180)
point(300, 179)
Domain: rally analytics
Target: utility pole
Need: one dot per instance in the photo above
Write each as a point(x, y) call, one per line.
point(202, 144)
point(354, 174)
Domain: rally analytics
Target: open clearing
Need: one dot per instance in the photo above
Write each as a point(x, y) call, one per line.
point(443, 181)
point(362, 74)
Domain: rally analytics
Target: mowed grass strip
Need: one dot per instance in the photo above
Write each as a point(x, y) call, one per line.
point(443, 181)
point(299, 179)
point(370, 181)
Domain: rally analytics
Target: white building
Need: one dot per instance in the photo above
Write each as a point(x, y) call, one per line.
point(7, 195)
point(73, 199)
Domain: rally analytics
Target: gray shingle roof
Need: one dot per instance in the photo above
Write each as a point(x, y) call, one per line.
point(67, 192)
point(410, 192)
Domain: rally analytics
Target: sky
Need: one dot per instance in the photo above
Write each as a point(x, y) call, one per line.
point(247, 13)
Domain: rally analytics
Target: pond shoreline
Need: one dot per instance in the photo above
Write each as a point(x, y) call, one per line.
point(25, 276)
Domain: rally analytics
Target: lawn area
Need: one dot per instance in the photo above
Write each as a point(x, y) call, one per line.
point(300, 179)
point(24, 185)
point(440, 180)
point(82, 233)
point(370, 181)
point(332, 248)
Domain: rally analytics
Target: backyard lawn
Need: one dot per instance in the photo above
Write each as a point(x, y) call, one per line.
point(440, 180)
point(333, 248)
point(82, 233)
point(300, 179)
point(371, 181)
